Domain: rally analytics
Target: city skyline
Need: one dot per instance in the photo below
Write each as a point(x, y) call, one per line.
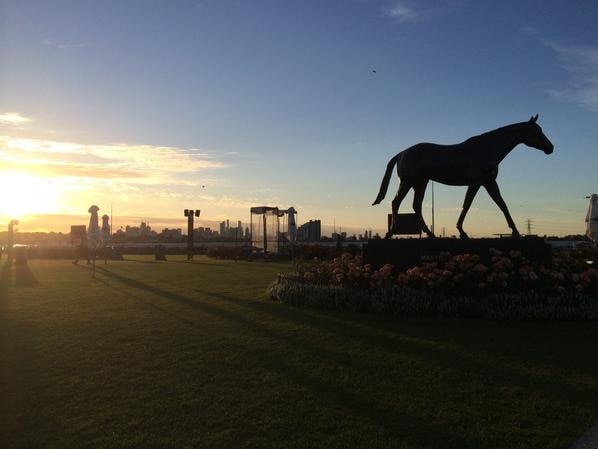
point(149, 108)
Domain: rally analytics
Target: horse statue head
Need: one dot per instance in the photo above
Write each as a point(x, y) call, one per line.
point(535, 138)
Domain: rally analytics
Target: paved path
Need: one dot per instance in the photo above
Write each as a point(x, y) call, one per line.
point(588, 440)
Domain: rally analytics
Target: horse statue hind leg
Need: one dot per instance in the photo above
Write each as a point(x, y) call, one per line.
point(404, 188)
point(405, 184)
point(419, 190)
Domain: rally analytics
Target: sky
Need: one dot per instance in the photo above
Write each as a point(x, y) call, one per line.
point(148, 107)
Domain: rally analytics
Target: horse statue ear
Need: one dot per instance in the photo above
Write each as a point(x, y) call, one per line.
point(533, 119)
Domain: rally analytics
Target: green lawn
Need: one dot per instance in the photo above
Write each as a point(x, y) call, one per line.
point(177, 354)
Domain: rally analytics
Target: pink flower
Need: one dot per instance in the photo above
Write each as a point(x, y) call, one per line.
point(414, 271)
point(480, 268)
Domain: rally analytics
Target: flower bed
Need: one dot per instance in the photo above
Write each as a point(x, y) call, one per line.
point(456, 285)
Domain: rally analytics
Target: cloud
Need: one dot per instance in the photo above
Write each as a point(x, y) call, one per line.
point(62, 46)
point(401, 12)
point(13, 118)
point(581, 64)
point(138, 164)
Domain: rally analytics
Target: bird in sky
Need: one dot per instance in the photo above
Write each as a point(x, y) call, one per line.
point(373, 71)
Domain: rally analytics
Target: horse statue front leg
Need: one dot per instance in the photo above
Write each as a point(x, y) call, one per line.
point(472, 190)
point(494, 192)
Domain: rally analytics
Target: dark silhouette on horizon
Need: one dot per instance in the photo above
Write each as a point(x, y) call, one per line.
point(472, 163)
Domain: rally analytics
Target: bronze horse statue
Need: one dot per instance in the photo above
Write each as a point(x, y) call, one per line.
point(473, 163)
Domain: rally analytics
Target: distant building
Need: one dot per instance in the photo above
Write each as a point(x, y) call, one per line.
point(138, 231)
point(202, 233)
point(310, 231)
point(171, 233)
point(223, 229)
point(144, 229)
point(339, 236)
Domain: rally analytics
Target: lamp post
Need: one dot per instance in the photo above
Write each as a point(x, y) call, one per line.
point(433, 208)
point(11, 239)
point(190, 213)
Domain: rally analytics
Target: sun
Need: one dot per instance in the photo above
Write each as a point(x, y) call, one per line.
point(23, 194)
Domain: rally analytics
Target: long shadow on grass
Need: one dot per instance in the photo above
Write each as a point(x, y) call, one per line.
point(199, 262)
point(5, 278)
point(388, 420)
point(335, 395)
point(396, 344)
point(395, 341)
point(186, 262)
point(353, 325)
point(223, 313)
point(145, 301)
point(152, 262)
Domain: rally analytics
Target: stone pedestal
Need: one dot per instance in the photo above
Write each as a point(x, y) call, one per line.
point(407, 253)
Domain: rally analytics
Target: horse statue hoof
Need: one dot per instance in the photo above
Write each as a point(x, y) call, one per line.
point(463, 236)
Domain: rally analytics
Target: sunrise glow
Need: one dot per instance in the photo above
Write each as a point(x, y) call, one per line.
point(24, 194)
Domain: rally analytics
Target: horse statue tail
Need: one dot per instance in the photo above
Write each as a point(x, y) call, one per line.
point(386, 179)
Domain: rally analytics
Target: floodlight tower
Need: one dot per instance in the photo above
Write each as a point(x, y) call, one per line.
point(190, 213)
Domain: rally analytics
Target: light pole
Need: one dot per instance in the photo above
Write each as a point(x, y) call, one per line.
point(190, 213)
point(433, 207)
point(11, 239)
